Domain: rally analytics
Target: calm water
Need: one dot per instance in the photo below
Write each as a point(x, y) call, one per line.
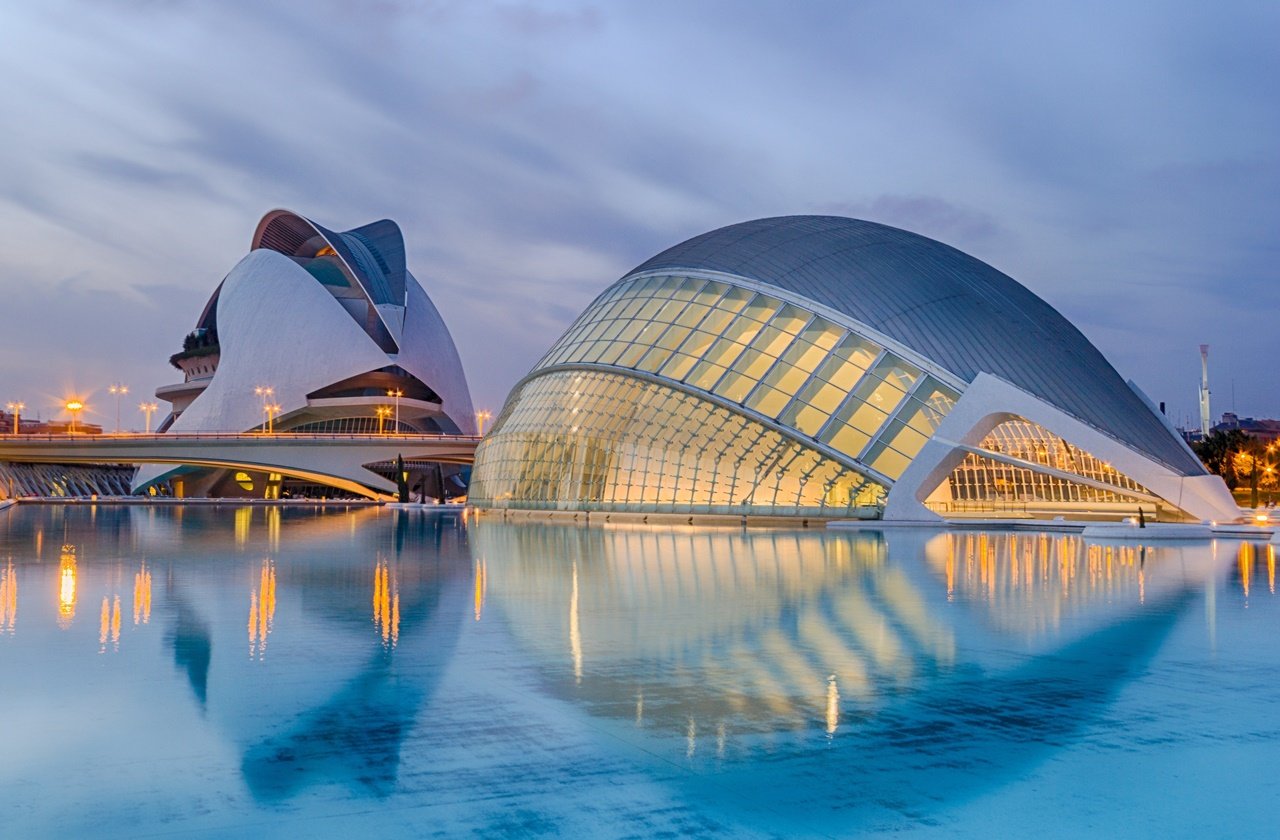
point(276, 672)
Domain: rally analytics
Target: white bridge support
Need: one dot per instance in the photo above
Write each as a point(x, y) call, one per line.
point(990, 401)
point(335, 460)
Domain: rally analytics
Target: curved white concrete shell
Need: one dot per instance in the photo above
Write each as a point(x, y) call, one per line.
point(829, 367)
point(330, 323)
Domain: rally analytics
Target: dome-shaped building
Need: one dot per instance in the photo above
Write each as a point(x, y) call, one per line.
point(308, 333)
point(828, 367)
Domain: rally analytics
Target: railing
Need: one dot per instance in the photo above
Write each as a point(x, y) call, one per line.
point(133, 437)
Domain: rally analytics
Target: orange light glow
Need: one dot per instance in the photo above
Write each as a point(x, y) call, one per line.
point(67, 586)
point(482, 584)
point(386, 604)
point(262, 610)
point(8, 599)
point(142, 595)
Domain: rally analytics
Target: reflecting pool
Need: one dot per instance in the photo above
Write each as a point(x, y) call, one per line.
point(277, 671)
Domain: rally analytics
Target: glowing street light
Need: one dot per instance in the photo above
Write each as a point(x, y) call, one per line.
point(383, 412)
point(397, 393)
point(272, 410)
point(16, 408)
point(74, 406)
point(148, 408)
point(119, 391)
point(481, 416)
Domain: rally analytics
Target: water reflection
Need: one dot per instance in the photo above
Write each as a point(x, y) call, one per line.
point(8, 599)
point(262, 610)
point(758, 641)
point(67, 586)
point(780, 677)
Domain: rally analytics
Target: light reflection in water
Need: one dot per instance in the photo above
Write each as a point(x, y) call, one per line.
point(109, 625)
point(482, 585)
point(1244, 559)
point(67, 586)
point(243, 516)
point(262, 610)
point(698, 631)
point(575, 633)
point(8, 599)
point(142, 595)
point(386, 603)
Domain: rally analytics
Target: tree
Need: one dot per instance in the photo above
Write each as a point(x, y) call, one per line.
point(1217, 451)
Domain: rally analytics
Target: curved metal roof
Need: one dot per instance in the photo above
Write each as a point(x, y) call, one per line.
point(952, 308)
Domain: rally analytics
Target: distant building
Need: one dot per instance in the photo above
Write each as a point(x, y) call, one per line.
point(813, 366)
point(45, 427)
point(307, 334)
point(1265, 430)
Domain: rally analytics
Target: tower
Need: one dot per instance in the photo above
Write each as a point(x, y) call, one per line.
point(1204, 390)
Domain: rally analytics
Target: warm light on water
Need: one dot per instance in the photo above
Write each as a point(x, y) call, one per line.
point(625, 680)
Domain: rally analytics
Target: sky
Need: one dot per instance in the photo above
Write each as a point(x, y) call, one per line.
point(1121, 160)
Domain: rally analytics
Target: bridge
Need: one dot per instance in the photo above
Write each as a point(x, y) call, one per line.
point(337, 460)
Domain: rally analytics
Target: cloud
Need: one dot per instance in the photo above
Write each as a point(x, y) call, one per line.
point(1119, 160)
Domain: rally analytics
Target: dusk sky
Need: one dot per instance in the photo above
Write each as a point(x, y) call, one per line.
point(1120, 160)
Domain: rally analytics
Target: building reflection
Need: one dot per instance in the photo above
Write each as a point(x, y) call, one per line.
point(1254, 560)
point(723, 633)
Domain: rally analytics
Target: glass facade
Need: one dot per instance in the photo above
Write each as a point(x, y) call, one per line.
point(981, 479)
point(593, 440)
point(774, 358)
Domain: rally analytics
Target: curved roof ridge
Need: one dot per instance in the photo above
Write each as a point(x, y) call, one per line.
point(941, 302)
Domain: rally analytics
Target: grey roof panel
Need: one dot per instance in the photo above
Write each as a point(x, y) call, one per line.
point(952, 308)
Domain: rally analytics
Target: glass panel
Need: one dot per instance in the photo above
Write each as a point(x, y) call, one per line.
point(678, 366)
point(724, 351)
point(786, 377)
point(791, 319)
point(692, 314)
point(772, 340)
point(804, 418)
point(735, 386)
point(705, 374)
point(735, 299)
point(753, 363)
point(768, 401)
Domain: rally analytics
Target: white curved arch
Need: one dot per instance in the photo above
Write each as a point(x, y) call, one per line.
point(990, 401)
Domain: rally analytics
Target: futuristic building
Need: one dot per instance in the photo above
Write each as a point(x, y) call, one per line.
point(308, 334)
point(828, 367)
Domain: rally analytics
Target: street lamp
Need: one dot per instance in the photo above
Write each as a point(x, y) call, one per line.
point(481, 417)
point(16, 408)
point(383, 412)
point(148, 408)
point(397, 393)
point(271, 409)
point(119, 391)
point(74, 407)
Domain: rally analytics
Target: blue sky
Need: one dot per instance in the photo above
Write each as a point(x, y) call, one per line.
point(1120, 160)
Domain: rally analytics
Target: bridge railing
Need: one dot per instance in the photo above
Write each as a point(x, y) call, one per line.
point(134, 437)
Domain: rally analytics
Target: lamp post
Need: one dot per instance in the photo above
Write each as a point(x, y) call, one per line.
point(383, 412)
point(272, 410)
point(265, 393)
point(119, 391)
point(481, 417)
point(73, 407)
point(397, 393)
point(148, 408)
point(16, 408)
